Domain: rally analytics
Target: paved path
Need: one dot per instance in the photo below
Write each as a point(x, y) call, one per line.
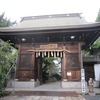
point(41, 98)
point(88, 97)
point(56, 86)
point(53, 86)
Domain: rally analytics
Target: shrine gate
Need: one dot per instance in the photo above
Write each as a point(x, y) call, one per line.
point(62, 35)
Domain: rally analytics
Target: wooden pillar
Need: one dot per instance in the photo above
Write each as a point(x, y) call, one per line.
point(33, 65)
point(80, 55)
point(18, 60)
point(64, 66)
point(40, 69)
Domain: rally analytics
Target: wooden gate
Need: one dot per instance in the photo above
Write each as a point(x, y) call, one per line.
point(30, 64)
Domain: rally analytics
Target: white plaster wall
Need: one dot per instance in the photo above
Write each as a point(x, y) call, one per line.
point(97, 72)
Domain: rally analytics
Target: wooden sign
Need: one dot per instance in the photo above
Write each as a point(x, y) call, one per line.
point(83, 81)
point(49, 46)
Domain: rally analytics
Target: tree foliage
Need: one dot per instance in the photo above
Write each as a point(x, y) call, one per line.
point(4, 22)
point(98, 17)
point(94, 48)
point(7, 56)
point(49, 68)
point(96, 45)
point(86, 53)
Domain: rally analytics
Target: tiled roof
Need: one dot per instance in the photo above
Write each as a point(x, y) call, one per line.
point(51, 20)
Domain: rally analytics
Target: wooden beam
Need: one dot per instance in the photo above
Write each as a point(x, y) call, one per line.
point(49, 50)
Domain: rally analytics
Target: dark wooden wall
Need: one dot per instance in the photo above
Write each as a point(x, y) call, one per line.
point(25, 68)
point(73, 61)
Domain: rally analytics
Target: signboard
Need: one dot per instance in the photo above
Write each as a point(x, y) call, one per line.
point(49, 46)
point(68, 73)
point(83, 81)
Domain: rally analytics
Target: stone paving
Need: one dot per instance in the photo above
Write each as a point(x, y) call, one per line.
point(52, 87)
point(88, 97)
point(41, 98)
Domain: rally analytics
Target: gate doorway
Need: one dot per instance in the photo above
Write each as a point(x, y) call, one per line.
point(48, 66)
point(51, 69)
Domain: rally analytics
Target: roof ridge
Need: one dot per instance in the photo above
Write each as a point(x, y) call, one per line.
point(51, 16)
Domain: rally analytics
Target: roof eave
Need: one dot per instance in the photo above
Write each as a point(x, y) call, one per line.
point(68, 27)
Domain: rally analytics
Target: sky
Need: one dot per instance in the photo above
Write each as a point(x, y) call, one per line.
point(15, 9)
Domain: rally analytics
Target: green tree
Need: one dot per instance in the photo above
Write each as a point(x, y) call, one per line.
point(86, 53)
point(94, 48)
point(50, 68)
point(7, 54)
point(96, 45)
point(4, 22)
point(98, 17)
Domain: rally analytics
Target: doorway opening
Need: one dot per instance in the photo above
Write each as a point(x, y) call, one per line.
point(51, 69)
